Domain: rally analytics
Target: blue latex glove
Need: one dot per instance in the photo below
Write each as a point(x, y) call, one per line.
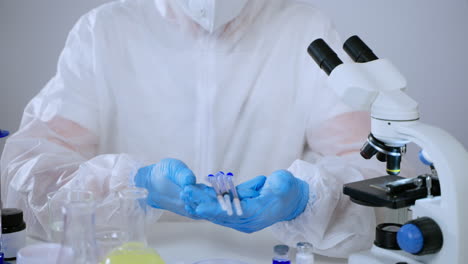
point(265, 201)
point(165, 182)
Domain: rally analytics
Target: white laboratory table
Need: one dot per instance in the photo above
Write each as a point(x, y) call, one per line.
point(188, 242)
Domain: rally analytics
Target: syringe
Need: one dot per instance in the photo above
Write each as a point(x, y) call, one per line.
point(232, 188)
point(224, 186)
point(214, 183)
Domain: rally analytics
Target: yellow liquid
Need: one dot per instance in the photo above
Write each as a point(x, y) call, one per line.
point(134, 253)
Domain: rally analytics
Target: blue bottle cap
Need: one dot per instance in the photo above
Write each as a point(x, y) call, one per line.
point(230, 174)
point(410, 239)
point(281, 249)
point(4, 133)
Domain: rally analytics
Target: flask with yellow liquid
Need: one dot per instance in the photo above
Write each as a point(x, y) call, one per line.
point(135, 249)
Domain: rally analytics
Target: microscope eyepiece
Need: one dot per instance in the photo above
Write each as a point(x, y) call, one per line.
point(323, 55)
point(358, 50)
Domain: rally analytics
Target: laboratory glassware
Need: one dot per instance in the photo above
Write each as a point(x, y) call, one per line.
point(44, 253)
point(304, 253)
point(13, 232)
point(220, 261)
point(281, 255)
point(56, 203)
point(135, 249)
point(79, 241)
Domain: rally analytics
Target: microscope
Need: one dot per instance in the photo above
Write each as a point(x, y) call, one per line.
point(438, 231)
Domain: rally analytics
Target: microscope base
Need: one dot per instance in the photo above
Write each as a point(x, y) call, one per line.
point(378, 255)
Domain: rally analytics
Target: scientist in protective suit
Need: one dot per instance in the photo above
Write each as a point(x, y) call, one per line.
point(160, 93)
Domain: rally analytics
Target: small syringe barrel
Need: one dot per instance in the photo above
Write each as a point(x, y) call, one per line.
point(220, 178)
point(231, 185)
point(236, 200)
point(214, 183)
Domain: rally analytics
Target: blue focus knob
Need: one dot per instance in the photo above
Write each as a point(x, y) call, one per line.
point(421, 236)
point(410, 239)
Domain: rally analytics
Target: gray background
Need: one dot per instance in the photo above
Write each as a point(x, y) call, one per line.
point(426, 39)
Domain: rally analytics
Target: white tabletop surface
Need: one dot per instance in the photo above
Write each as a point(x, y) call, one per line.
point(189, 242)
point(186, 243)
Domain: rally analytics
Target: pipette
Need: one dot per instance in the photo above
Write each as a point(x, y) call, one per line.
point(222, 181)
point(214, 183)
point(233, 190)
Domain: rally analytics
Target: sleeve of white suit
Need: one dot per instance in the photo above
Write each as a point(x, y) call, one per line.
point(57, 143)
point(331, 222)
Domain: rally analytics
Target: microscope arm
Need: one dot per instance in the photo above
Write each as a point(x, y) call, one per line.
point(450, 210)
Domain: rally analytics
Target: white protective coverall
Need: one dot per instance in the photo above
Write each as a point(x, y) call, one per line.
point(138, 81)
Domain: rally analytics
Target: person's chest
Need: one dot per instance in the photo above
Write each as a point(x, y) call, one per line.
point(205, 106)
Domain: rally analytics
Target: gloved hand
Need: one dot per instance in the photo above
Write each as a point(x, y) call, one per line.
point(265, 201)
point(165, 182)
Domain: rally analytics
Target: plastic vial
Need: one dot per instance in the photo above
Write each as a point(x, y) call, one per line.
point(79, 241)
point(281, 255)
point(304, 253)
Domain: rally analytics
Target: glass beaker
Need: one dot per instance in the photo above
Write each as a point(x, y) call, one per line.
point(56, 203)
point(133, 213)
point(79, 241)
point(43, 253)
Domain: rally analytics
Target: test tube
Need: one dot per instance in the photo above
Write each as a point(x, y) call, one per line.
point(236, 200)
point(222, 181)
point(215, 185)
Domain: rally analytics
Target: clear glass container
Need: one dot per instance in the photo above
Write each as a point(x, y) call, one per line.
point(135, 249)
point(79, 242)
point(56, 203)
point(281, 255)
point(304, 253)
point(220, 261)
